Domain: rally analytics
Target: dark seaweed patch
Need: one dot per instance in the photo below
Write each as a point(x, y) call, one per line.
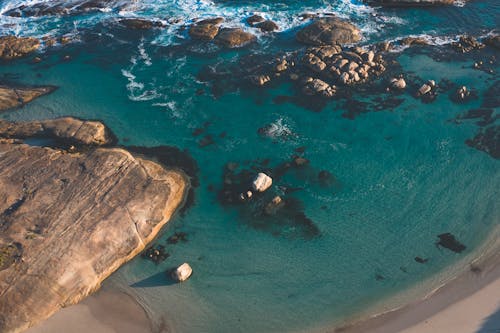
point(447, 240)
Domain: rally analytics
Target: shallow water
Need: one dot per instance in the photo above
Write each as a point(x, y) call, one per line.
point(402, 176)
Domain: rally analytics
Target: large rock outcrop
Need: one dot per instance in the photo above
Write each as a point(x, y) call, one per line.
point(68, 220)
point(329, 31)
point(12, 47)
point(67, 129)
point(12, 97)
point(234, 37)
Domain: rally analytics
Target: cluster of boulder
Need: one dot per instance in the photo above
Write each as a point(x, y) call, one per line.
point(209, 29)
point(12, 47)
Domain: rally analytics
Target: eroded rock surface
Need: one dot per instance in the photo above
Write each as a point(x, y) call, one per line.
point(68, 220)
point(12, 47)
point(71, 130)
point(329, 31)
point(12, 97)
point(234, 37)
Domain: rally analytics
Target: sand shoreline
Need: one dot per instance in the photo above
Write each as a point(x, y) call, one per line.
point(462, 305)
point(477, 287)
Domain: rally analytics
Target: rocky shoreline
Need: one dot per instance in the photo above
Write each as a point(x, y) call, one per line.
point(72, 216)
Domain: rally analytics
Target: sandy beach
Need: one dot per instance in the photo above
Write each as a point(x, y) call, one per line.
point(469, 303)
point(106, 311)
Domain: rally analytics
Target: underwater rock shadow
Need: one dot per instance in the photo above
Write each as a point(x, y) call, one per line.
point(161, 279)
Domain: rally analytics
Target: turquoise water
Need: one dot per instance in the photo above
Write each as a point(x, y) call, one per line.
point(402, 176)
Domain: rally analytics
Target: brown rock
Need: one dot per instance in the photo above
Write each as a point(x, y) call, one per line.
point(205, 29)
point(12, 97)
point(267, 26)
point(12, 47)
point(72, 130)
point(252, 20)
point(70, 220)
point(234, 37)
point(329, 31)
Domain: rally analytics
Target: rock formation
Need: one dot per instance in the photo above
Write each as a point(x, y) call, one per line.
point(234, 37)
point(70, 219)
point(329, 31)
point(12, 47)
point(206, 29)
point(12, 97)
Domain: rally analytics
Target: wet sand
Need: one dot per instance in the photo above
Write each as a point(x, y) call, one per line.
point(106, 311)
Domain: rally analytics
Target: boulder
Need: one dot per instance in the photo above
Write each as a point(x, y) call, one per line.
point(12, 47)
point(410, 41)
point(262, 182)
point(205, 29)
point(267, 26)
point(252, 20)
point(313, 62)
point(12, 97)
point(329, 31)
point(182, 273)
point(260, 80)
point(74, 219)
point(274, 205)
point(234, 37)
point(398, 83)
point(320, 88)
point(424, 89)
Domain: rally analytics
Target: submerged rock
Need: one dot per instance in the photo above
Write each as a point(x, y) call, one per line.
point(140, 24)
point(12, 97)
point(12, 47)
point(493, 41)
point(182, 273)
point(329, 31)
point(77, 218)
point(449, 241)
point(234, 37)
point(487, 140)
point(262, 182)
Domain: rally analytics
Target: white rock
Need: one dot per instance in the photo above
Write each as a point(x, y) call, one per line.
point(182, 273)
point(398, 83)
point(424, 89)
point(262, 182)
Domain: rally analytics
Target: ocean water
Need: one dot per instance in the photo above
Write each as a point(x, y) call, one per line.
point(402, 176)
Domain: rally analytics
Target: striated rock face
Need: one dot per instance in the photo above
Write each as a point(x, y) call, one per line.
point(68, 220)
point(234, 37)
point(68, 129)
point(329, 31)
point(12, 47)
point(11, 97)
